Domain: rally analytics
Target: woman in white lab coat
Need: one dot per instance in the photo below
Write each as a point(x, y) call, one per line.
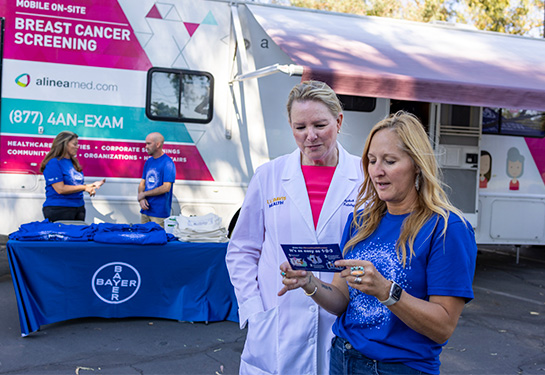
point(301, 198)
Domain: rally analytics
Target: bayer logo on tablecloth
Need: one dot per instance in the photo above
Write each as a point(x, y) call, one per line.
point(116, 282)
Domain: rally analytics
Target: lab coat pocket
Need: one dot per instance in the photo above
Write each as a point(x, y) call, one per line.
point(260, 349)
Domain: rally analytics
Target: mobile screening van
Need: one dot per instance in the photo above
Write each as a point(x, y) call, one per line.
point(213, 78)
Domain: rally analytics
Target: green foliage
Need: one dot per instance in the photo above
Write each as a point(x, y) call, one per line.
point(415, 10)
point(344, 6)
point(513, 17)
point(517, 17)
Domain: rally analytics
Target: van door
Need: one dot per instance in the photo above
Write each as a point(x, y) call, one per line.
point(454, 132)
point(457, 138)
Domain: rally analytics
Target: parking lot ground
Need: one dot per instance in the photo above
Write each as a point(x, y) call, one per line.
point(500, 332)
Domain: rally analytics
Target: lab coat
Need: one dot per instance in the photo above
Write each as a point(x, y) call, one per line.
point(289, 334)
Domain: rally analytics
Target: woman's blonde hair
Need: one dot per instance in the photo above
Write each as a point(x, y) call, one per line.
point(58, 149)
point(315, 91)
point(432, 199)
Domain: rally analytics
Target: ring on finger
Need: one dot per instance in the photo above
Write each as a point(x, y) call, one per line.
point(357, 280)
point(357, 271)
point(283, 274)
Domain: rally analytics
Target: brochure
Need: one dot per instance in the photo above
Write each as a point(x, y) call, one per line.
point(319, 258)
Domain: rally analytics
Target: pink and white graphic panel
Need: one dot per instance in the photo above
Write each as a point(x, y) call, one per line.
point(91, 33)
point(101, 158)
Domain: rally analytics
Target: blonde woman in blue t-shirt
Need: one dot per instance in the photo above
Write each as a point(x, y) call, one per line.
point(409, 261)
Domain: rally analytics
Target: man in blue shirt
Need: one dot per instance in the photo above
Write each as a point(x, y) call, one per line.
point(155, 189)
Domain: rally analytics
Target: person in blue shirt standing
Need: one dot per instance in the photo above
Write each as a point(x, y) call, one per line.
point(409, 258)
point(155, 189)
point(64, 182)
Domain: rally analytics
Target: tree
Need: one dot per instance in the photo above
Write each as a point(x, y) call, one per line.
point(345, 6)
point(518, 17)
point(512, 17)
point(415, 10)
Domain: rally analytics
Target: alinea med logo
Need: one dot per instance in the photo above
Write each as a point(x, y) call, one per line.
point(116, 282)
point(23, 80)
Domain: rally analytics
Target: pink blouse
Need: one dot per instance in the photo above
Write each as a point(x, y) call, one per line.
point(317, 180)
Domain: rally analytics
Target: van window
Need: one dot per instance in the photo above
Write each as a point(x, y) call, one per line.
point(526, 123)
point(179, 95)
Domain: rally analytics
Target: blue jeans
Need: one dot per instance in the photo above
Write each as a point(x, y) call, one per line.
point(345, 360)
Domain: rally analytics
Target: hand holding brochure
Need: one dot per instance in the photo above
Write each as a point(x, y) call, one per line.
point(320, 258)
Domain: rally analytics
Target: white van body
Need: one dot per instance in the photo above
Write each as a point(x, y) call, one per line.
point(88, 67)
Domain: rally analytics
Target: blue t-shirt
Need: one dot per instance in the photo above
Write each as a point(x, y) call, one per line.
point(441, 266)
point(156, 173)
point(57, 170)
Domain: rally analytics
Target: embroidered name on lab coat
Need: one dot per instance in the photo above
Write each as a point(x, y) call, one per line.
point(349, 202)
point(276, 201)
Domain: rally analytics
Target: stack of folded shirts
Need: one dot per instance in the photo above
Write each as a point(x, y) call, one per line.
point(141, 234)
point(188, 235)
point(206, 228)
point(48, 231)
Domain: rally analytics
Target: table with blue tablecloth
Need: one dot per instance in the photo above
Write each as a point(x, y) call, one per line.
point(56, 281)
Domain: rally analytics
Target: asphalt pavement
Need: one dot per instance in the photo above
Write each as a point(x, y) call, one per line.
point(501, 332)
